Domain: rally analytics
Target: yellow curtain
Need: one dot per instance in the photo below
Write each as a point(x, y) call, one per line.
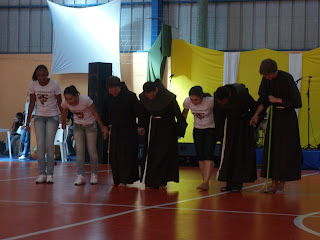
point(191, 66)
point(249, 65)
point(310, 67)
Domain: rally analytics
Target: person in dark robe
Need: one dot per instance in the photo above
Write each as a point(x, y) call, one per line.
point(232, 108)
point(278, 88)
point(120, 111)
point(158, 124)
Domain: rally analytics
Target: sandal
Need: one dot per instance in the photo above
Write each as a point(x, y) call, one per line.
point(225, 189)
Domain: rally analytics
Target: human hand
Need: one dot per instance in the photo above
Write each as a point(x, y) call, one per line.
point(105, 132)
point(254, 120)
point(28, 126)
point(273, 99)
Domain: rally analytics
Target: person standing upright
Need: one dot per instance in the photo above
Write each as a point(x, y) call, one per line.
point(47, 93)
point(278, 88)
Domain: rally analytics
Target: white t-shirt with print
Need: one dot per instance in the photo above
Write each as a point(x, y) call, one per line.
point(46, 98)
point(81, 112)
point(203, 112)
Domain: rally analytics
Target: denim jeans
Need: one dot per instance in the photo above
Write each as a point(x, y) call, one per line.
point(80, 133)
point(69, 141)
point(25, 139)
point(13, 141)
point(46, 129)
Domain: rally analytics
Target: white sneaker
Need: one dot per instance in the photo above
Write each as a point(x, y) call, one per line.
point(49, 179)
point(80, 180)
point(94, 178)
point(22, 157)
point(41, 179)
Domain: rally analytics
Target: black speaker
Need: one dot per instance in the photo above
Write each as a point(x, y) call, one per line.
point(98, 74)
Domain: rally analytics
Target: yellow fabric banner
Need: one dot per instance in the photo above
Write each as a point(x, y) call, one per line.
point(249, 66)
point(191, 66)
point(310, 67)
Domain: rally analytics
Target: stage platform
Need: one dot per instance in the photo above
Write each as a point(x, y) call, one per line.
point(311, 158)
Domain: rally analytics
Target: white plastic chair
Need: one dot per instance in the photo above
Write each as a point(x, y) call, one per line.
point(60, 140)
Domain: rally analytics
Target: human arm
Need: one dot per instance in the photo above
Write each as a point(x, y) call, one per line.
point(181, 120)
point(185, 112)
point(59, 100)
point(255, 119)
point(30, 110)
point(293, 98)
point(64, 115)
point(104, 129)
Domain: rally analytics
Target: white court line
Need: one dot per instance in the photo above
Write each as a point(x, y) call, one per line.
point(228, 211)
point(19, 168)
point(67, 164)
point(64, 174)
point(127, 212)
point(298, 221)
point(70, 203)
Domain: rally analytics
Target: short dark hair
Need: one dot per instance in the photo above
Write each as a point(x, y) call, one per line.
point(19, 114)
point(34, 76)
point(222, 93)
point(268, 66)
point(197, 91)
point(149, 87)
point(71, 90)
point(113, 81)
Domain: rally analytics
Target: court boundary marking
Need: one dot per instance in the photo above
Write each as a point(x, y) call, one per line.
point(298, 221)
point(130, 211)
point(59, 174)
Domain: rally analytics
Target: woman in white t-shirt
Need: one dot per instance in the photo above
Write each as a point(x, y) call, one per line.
point(47, 93)
point(201, 106)
point(84, 127)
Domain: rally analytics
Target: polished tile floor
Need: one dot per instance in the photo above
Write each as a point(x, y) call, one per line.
point(63, 211)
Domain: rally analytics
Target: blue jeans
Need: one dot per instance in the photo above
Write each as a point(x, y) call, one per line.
point(80, 133)
point(46, 129)
point(25, 139)
point(13, 140)
point(69, 141)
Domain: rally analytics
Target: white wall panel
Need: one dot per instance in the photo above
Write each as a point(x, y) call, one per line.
point(312, 24)
point(211, 26)
point(259, 30)
point(285, 25)
point(147, 27)
point(298, 24)
point(272, 25)
point(282, 25)
point(247, 26)
point(222, 26)
point(234, 21)
point(13, 41)
point(194, 24)
point(137, 23)
point(185, 22)
point(46, 31)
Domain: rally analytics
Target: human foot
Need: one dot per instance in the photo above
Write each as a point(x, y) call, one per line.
point(203, 187)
